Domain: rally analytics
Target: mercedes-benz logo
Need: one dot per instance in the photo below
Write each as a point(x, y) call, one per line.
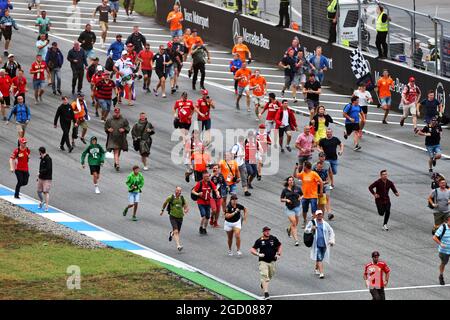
point(236, 30)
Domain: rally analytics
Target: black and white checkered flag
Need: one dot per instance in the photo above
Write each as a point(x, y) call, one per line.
point(359, 64)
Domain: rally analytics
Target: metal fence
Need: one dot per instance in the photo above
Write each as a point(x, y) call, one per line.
point(414, 38)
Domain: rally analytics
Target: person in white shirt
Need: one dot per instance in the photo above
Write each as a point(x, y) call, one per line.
point(364, 99)
point(238, 152)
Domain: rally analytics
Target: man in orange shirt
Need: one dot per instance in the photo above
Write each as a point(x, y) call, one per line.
point(312, 189)
point(81, 117)
point(230, 171)
point(243, 76)
point(384, 86)
point(201, 159)
point(174, 18)
point(242, 49)
point(259, 85)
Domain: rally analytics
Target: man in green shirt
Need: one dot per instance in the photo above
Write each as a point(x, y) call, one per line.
point(96, 158)
point(43, 23)
point(177, 207)
point(135, 183)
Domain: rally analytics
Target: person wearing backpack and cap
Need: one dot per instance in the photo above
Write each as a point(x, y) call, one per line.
point(177, 208)
point(96, 158)
point(324, 238)
point(442, 238)
point(268, 250)
point(203, 192)
point(373, 276)
point(410, 98)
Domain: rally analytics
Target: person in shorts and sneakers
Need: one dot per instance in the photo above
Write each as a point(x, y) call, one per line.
point(96, 158)
point(235, 214)
point(268, 250)
point(439, 199)
point(258, 85)
point(272, 107)
point(39, 70)
point(442, 238)
point(304, 144)
point(216, 203)
point(353, 117)
point(410, 98)
point(177, 208)
point(312, 90)
point(204, 191)
point(5, 89)
point(135, 183)
point(432, 132)
point(364, 99)
point(44, 181)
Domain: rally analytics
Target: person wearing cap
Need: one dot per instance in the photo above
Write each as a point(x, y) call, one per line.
point(410, 98)
point(323, 169)
point(81, 116)
point(272, 107)
point(87, 40)
point(238, 152)
point(364, 99)
point(324, 238)
point(264, 141)
point(77, 59)
point(380, 190)
point(432, 133)
point(291, 196)
point(235, 214)
point(115, 49)
point(353, 117)
point(137, 39)
point(125, 73)
point(104, 11)
point(376, 276)
point(174, 18)
point(200, 56)
point(384, 86)
point(103, 92)
point(42, 45)
point(141, 133)
point(55, 60)
point(22, 116)
point(96, 159)
point(204, 106)
point(145, 63)
point(268, 249)
point(235, 65)
point(12, 66)
point(162, 62)
point(117, 128)
point(312, 91)
point(135, 183)
point(18, 164)
point(5, 89)
point(66, 116)
point(442, 238)
point(44, 181)
point(19, 86)
point(258, 85)
point(7, 23)
point(205, 190)
point(432, 107)
point(172, 73)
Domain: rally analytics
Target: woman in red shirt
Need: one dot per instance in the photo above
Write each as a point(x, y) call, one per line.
point(18, 163)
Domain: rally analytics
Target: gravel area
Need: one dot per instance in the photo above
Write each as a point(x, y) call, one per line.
point(43, 224)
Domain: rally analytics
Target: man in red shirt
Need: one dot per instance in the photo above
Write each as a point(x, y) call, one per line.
point(204, 106)
point(38, 70)
point(285, 123)
point(18, 164)
point(132, 55)
point(103, 91)
point(19, 86)
point(5, 88)
point(376, 276)
point(410, 98)
point(204, 191)
point(272, 108)
point(182, 112)
point(145, 59)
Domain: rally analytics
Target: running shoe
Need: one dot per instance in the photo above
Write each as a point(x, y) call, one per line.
point(170, 236)
point(239, 253)
point(321, 276)
point(282, 150)
point(145, 168)
point(288, 230)
point(125, 211)
point(316, 271)
point(266, 296)
point(211, 222)
point(250, 186)
point(155, 92)
point(385, 227)
point(200, 230)
point(345, 136)
point(330, 216)
point(83, 140)
point(230, 253)
point(288, 148)
point(430, 170)
point(46, 209)
point(295, 100)
point(434, 162)
point(97, 190)
point(179, 248)
point(164, 95)
point(303, 224)
point(258, 177)
point(216, 225)
point(296, 243)
point(189, 74)
point(282, 93)
point(70, 149)
point(173, 90)
point(62, 148)
point(247, 194)
point(134, 218)
point(41, 204)
point(384, 122)
point(357, 147)
point(441, 280)
point(402, 122)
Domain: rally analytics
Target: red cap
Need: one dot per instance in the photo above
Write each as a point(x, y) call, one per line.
point(169, 44)
point(130, 45)
point(412, 79)
point(116, 110)
point(262, 126)
point(204, 92)
point(22, 140)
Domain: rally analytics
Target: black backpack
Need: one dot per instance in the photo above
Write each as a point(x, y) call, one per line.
point(195, 197)
point(443, 232)
point(308, 238)
point(109, 64)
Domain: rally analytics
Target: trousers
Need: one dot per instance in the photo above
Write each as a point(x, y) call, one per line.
point(22, 180)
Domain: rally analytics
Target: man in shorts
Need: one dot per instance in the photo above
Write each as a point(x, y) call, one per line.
point(258, 85)
point(442, 238)
point(301, 69)
point(364, 99)
point(410, 98)
point(272, 107)
point(205, 191)
point(304, 144)
point(114, 4)
point(39, 70)
point(135, 183)
point(45, 178)
point(384, 86)
point(162, 62)
point(174, 18)
point(432, 132)
point(353, 115)
point(22, 115)
point(177, 208)
point(96, 158)
point(145, 60)
point(104, 11)
point(103, 94)
point(312, 90)
point(288, 65)
point(243, 76)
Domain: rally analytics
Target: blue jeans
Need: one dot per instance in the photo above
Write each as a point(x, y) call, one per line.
point(334, 166)
point(321, 253)
point(433, 150)
point(305, 205)
point(319, 76)
point(205, 210)
point(56, 78)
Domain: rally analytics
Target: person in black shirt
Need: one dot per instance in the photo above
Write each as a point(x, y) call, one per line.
point(44, 178)
point(329, 146)
point(268, 249)
point(137, 39)
point(291, 196)
point(233, 216)
point(288, 64)
point(432, 133)
point(216, 203)
point(312, 90)
point(432, 107)
point(87, 40)
point(11, 66)
point(66, 117)
point(162, 63)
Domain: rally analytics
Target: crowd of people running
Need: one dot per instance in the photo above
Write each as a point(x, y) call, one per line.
point(306, 194)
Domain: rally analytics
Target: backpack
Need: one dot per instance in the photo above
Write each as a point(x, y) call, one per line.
point(308, 238)
point(195, 197)
point(109, 64)
point(444, 226)
point(434, 199)
point(169, 205)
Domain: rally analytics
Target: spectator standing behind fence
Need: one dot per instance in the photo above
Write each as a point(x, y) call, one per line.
point(331, 15)
point(382, 27)
point(284, 14)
